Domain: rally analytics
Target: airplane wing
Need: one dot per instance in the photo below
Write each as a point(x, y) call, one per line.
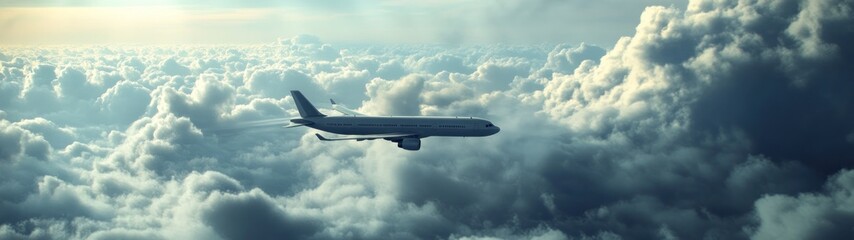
point(367, 137)
point(343, 109)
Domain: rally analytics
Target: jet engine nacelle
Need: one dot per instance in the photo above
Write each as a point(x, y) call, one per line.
point(410, 144)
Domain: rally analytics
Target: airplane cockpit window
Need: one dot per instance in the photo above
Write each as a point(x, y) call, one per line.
point(490, 125)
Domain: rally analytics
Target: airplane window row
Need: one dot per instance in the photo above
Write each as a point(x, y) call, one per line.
point(389, 125)
point(394, 125)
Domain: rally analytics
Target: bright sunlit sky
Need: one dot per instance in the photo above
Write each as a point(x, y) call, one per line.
point(337, 21)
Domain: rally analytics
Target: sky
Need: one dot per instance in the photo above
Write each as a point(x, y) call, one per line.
point(359, 21)
point(705, 119)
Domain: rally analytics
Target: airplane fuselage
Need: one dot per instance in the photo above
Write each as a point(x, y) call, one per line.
point(420, 126)
point(407, 132)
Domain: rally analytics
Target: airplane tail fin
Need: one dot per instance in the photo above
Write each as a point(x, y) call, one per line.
point(306, 110)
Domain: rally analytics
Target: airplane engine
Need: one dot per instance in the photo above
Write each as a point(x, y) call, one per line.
point(410, 144)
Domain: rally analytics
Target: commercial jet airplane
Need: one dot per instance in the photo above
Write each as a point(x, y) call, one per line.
point(407, 132)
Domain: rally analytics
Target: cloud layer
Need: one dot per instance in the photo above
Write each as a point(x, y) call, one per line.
point(729, 119)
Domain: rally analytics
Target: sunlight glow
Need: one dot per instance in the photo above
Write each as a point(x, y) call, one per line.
point(368, 21)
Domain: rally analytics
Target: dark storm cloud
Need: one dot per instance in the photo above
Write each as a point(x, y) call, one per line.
point(726, 120)
point(253, 215)
point(803, 75)
point(700, 76)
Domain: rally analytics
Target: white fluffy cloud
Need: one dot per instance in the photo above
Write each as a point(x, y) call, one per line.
point(809, 215)
point(725, 120)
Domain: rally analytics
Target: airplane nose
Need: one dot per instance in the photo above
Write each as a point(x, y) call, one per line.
point(496, 130)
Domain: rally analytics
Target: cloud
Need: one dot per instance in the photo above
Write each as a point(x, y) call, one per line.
point(125, 234)
point(9, 91)
point(37, 92)
point(808, 215)
point(125, 102)
point(19, 142)
point(58, 137)
point(541, 233)
point(276, 83)
point(499, 75)
point(441, 62)
point(726, 120)
point(310, 46)
point(565, 59)
point(253, 215)
point(55, 198)
point(171, 67)
point(72, 83)
point(390, 70)
point(394, 97)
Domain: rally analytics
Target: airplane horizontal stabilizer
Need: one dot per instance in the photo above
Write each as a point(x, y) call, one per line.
point(343, 109)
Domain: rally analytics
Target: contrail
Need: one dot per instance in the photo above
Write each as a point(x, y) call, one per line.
point(249, 126)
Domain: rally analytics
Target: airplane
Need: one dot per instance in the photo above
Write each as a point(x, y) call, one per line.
point(406, 131)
